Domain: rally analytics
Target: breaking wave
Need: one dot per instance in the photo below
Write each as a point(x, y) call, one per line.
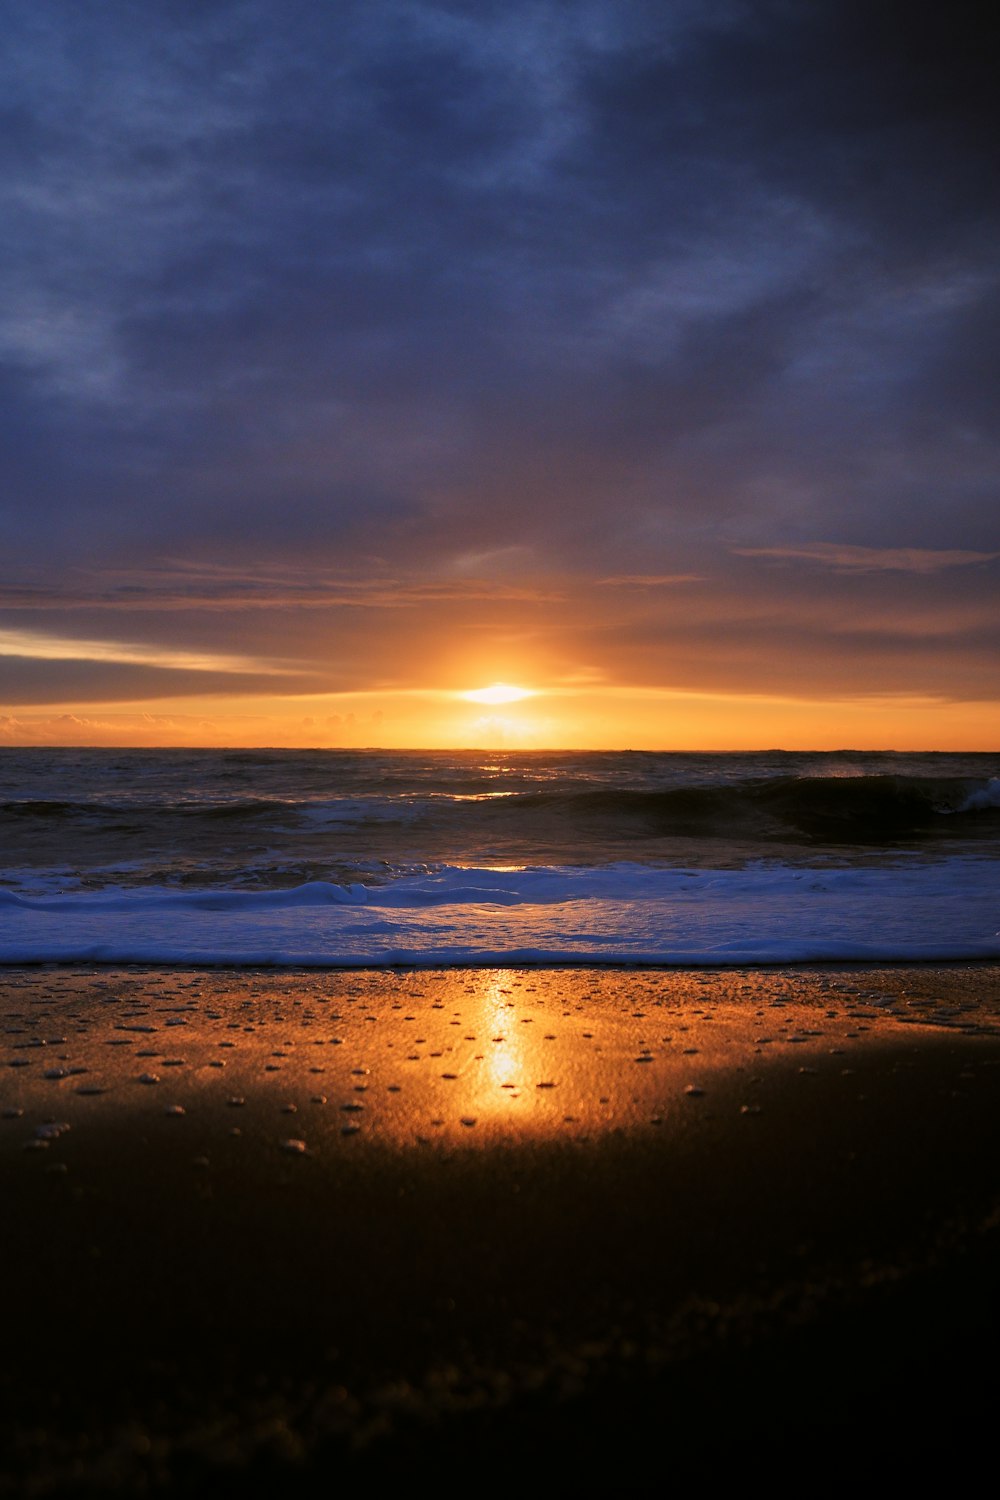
point(767, 913)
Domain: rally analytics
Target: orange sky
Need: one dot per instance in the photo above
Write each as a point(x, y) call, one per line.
point(597, 718)
point(809, 648)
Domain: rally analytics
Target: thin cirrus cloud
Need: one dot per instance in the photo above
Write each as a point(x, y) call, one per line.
point(223, 587)
point(36, 646)
point(847, 559)
point(649, 580)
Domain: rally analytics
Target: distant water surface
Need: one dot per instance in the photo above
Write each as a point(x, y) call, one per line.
point(599, 840)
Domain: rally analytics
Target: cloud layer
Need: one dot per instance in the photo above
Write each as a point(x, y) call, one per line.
point(363, 341)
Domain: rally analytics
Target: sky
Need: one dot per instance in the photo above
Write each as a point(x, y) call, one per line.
point(358, 355)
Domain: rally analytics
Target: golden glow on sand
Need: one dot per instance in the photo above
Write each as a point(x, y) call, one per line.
point(497, 692)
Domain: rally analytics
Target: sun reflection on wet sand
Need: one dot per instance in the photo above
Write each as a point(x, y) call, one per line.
point(315, 1063)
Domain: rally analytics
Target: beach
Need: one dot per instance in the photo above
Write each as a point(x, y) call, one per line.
point(269, 1231)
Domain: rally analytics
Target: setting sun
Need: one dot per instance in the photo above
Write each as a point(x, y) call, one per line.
point(498, 692)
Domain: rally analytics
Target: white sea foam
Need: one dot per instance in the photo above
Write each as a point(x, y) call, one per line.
point(622, 913)
point(984, 799)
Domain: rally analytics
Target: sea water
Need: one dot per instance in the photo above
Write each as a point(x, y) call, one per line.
point(346, 858)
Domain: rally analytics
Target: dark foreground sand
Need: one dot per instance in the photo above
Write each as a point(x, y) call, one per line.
point(547, 1232)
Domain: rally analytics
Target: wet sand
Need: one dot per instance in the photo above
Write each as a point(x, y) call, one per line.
point(576, 1231)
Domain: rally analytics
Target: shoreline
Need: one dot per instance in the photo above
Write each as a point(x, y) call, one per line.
point(511, 962)
point(563, 1215)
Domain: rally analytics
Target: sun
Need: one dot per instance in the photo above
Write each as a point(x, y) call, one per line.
point(497, 692)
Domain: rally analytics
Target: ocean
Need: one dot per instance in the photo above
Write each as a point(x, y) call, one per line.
point(372, 858)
